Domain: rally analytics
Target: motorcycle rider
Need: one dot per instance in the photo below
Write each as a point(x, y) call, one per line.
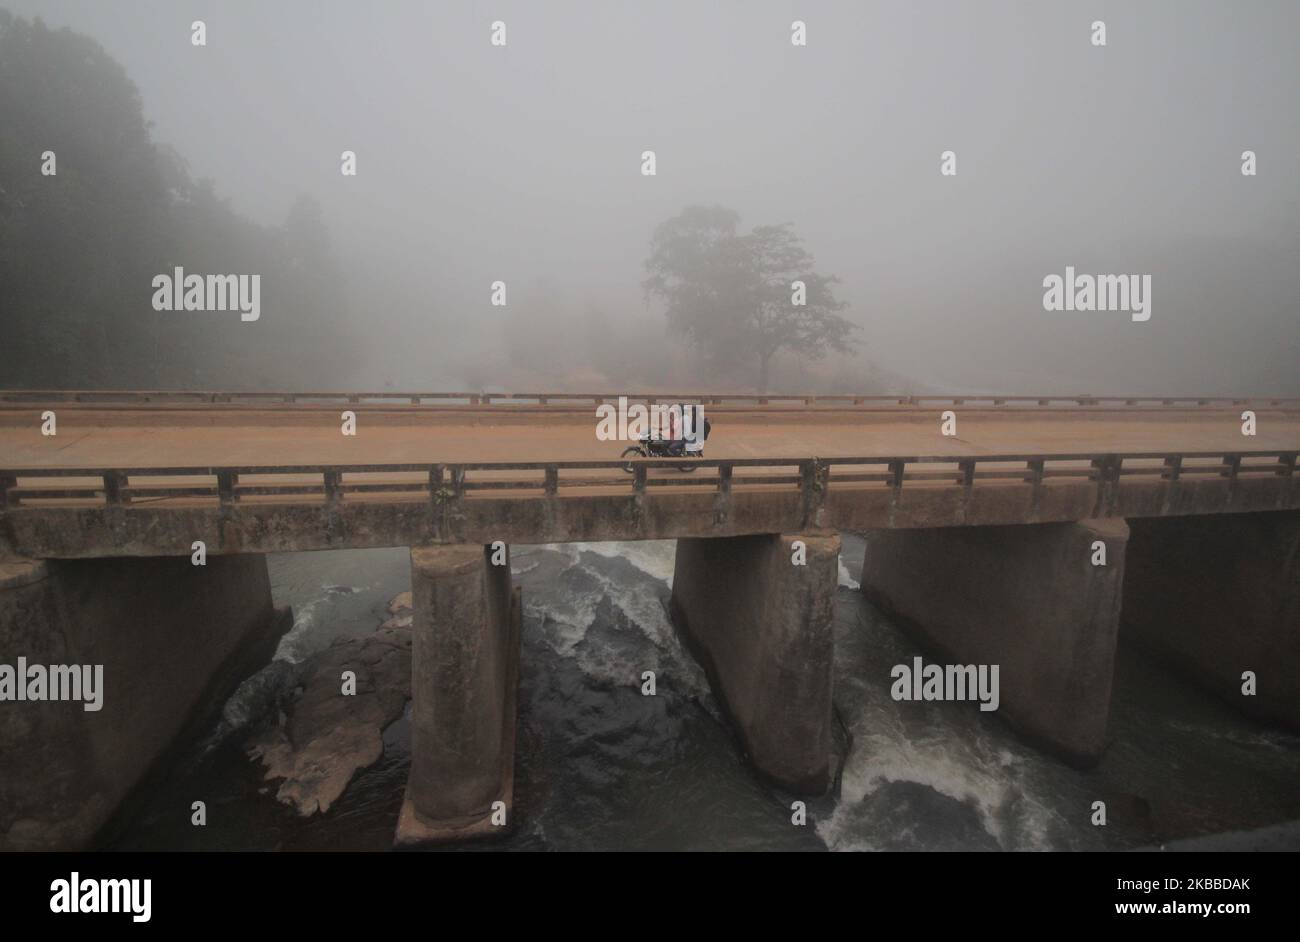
point(695, 429)
point(676, 437)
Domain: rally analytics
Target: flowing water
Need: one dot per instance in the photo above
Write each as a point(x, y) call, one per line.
point(600, 766)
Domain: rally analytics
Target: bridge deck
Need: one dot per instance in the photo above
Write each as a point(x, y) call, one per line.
point(221, 436)
point(154, 478)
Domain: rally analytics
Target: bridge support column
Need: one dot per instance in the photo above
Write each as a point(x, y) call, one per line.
point(155, 637)
point(1217, 596)
point(757, 612)
point(1027, 598)
point(464, 675)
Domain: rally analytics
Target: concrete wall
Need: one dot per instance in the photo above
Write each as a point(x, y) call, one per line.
point(762, 628)
point(162, 629)
point(1026, 598)
point(1218, 596)
point(464, 680)
point(583, 516)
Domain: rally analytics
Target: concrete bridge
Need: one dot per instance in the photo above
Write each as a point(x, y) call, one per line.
point(985, 543)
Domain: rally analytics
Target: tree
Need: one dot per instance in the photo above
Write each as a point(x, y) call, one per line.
point(733, 295)
point(71, 245)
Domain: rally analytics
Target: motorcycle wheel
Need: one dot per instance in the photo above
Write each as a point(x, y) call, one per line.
point(632, 452)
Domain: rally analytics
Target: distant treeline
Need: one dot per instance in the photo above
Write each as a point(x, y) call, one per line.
point(79, 249)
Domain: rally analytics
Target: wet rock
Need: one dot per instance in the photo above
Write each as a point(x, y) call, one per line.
point(260, 695)
point(401, 610)
point(323, 736)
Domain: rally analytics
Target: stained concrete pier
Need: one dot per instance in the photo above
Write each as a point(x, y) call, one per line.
point(464, 678)
point(761, 624)
point(167, 633)
point(1218, 596)
point(1027, 598)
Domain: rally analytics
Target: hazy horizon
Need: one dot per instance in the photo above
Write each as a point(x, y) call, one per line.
point(478, 163)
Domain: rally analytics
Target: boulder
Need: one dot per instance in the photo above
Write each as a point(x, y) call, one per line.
point(324, 736)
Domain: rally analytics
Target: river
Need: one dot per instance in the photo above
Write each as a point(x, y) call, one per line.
point(599, 766)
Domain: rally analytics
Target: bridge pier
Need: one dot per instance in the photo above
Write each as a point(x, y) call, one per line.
point(762, 627)
point(1027, 598)
point(163, 634)
point(1217, 596)
point(464, 679)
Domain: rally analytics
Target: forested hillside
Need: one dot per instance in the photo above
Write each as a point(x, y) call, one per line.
point(79, 248)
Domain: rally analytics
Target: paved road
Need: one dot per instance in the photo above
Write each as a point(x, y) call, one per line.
point(213, 436)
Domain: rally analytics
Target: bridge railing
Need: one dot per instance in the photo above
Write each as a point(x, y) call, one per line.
point(331, 483)
point(10, 397)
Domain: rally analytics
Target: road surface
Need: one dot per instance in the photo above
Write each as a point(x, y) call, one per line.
point(215, 436)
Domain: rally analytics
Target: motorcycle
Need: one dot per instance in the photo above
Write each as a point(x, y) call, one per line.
point(658, 448)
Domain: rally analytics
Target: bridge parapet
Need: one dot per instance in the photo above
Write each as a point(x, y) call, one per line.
point(227, 485)
point(569, 400)
point(106, 511)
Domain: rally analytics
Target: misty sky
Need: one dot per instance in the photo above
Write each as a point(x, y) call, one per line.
point(478, 163)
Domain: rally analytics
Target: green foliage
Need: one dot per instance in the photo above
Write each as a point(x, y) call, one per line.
point(729, 293)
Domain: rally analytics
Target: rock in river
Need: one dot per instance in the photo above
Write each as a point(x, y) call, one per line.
point(324, 736)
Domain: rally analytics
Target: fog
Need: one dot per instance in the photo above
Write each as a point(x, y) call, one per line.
point(523, 163)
